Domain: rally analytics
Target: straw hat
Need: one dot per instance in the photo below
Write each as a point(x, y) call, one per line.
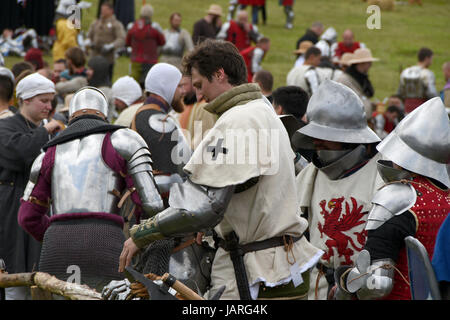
point(345, 58)
point(303, 47)
point(362, 55)
point(215, 9)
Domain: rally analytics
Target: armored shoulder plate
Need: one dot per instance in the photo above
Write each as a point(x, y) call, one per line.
point(36, 168)
point(393, 199)
point(34, 176)
point(127, 142)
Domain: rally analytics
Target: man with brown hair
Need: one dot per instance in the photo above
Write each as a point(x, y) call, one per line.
point(75, 76)
point(305, 76)
point(178, 41)
point(241, 200)
point(418, 83)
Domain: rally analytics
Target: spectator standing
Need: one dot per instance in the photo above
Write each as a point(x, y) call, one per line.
point(106, 35)
point(312, 34)
point(327, 43)
point(178, 41)
point(418, 83)
point(144, 38)
point(240, 32)
point(306, 76)
point(289, 12)
point(21, 139)
point(254, 55)
point(348, 44)
point(356, 77)
point(209, 26)
point(66, 35)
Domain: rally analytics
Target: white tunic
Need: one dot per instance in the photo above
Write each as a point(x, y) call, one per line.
point(337, 215)
point(265, 210)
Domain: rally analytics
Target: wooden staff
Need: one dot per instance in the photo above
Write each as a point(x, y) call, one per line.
point(181, 288)
point(49, 283)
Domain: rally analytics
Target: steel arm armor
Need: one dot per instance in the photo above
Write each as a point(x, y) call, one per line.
point(192, 208)
point(134, 150)
point(34, 176)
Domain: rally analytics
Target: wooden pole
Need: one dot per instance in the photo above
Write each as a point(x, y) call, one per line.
point(181, 288)
point(49, 283)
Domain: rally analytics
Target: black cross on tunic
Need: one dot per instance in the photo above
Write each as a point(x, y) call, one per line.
point(217, 149)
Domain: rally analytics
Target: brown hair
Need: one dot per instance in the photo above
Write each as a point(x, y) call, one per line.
point(212, 55)
point(265, 79)
point(424, 53)
point(76, 55)
point(312, 51)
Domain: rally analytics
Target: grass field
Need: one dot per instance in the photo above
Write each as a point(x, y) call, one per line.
point(403, 31)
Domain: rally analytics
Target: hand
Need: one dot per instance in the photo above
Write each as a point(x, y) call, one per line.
point(128, 252)
point(107, 47)
point(53, 126)
point(116, 290)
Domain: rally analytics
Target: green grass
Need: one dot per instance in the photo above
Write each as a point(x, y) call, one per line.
point(403, 31)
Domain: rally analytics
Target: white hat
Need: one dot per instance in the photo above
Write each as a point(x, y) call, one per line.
point(33, 85)
point(127, 90)
point(163, 80)
point(6, 72)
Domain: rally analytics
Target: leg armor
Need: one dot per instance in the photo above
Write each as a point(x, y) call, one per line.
point(232, 9)
point(289, 17)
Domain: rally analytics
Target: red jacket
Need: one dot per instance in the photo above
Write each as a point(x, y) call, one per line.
point(247, 54)
point(144, 41)
point(238, 36)
point(341, 48)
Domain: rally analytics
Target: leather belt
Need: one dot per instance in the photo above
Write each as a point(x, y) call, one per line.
point(261, 245)
point(237, 252)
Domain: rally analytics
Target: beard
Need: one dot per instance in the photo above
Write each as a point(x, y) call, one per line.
point(190, 98)
point(178, 105)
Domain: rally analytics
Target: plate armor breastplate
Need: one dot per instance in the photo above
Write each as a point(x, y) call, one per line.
point(81, 180)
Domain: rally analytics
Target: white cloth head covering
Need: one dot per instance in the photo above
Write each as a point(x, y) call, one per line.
point(33, 85)
point(127, 90)
point(163, 80)
point(6, 72)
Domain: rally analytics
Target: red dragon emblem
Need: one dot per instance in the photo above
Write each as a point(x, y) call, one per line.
point(335, 225)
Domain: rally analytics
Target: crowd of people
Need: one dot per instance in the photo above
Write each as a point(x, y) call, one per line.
point(105, 174)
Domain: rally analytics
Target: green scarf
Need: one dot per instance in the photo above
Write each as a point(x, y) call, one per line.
point(234, 97)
